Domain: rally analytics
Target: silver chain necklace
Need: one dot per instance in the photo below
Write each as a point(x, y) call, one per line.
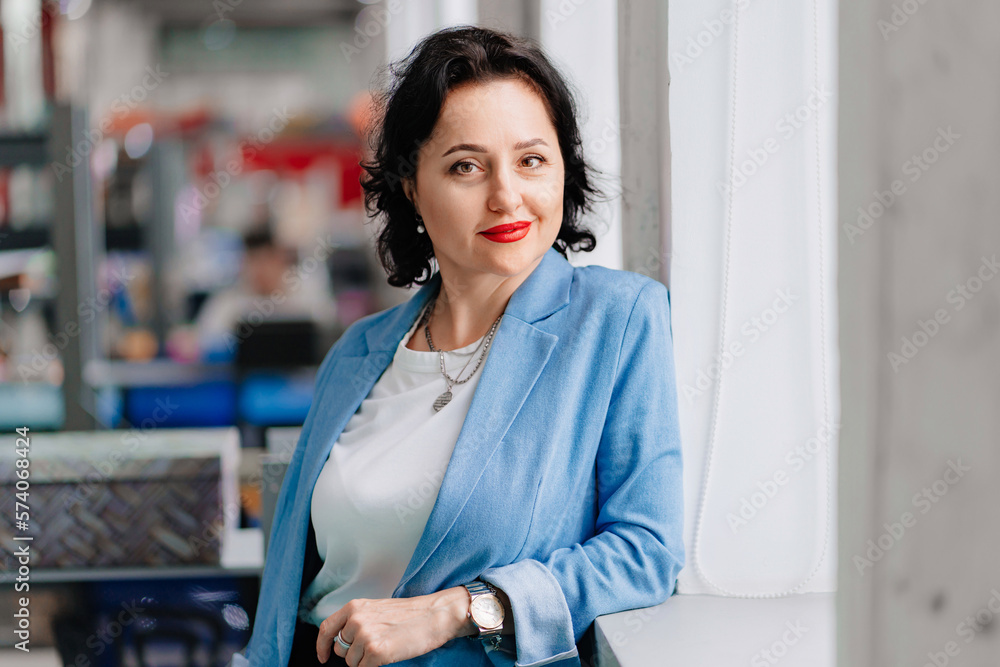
point(445, 397)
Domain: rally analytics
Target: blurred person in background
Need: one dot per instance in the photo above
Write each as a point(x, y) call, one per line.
point(272, 286)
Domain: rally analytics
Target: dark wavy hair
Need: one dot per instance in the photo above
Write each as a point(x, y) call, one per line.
point(408, 111)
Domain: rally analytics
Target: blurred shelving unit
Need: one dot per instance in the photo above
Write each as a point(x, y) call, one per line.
point(99, 205)
point(29, 148)
point(71, 236)
point(242, 556)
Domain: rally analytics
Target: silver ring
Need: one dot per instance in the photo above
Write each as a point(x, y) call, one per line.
point(341, 641)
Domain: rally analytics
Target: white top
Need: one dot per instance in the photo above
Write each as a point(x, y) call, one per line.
point(374, 495)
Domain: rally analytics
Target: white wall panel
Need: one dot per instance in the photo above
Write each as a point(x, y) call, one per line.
point(752, 113)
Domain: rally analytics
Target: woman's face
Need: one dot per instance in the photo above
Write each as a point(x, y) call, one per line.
point(491, 164)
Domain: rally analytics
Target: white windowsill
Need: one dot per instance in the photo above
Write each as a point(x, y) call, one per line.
point(718, 631)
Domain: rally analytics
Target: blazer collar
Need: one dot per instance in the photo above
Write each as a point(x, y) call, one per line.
point(543, 292)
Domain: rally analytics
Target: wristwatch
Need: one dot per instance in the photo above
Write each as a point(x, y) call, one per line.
point(486, 611)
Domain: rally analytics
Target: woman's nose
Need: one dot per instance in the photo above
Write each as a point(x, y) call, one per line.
point(505, 195)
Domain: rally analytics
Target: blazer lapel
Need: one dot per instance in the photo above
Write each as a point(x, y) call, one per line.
point(517, 356)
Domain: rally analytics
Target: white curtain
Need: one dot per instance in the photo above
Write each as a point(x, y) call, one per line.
point(752, 125)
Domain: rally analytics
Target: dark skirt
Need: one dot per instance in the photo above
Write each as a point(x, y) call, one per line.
point(304, 648)
point(304, 641)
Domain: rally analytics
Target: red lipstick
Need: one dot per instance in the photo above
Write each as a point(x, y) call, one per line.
point(507, 232)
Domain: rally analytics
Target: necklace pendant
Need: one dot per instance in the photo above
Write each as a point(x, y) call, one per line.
point(442, 400)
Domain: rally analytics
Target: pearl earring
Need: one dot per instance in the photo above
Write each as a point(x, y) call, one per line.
point(420, 228)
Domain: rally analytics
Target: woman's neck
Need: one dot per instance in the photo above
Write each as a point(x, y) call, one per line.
point(465, 308)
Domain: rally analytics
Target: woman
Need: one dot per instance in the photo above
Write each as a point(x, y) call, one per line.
point(489, 466)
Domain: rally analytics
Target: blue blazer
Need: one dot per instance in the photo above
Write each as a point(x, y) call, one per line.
point(564, 488)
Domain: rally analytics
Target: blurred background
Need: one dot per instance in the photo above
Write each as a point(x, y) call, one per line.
point(212, 178)
point(182, 239)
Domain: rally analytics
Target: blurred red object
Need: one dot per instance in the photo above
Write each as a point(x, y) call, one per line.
point(300, 154)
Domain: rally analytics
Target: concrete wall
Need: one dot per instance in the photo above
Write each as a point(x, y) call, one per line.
point(919, 315)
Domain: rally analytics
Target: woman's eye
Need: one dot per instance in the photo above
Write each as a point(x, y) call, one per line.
point(530, 161)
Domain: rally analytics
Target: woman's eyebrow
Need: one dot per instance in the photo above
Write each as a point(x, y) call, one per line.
point(476, 148)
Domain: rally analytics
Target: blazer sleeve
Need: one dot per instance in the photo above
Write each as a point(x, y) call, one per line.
point(637, 551)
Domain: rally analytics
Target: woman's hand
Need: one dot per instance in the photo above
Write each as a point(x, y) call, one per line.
point(382, 632)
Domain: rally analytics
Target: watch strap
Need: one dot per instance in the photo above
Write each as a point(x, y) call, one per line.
point(490, 635)
point(479, 587)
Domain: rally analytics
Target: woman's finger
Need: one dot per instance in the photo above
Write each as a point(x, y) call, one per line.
point(328, 631)
point(355, 654)
point(338, 648)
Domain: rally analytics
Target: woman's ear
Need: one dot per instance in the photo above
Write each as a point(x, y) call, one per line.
point(410, 192)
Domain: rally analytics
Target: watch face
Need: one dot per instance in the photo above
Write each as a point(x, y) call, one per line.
point(487, 612)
